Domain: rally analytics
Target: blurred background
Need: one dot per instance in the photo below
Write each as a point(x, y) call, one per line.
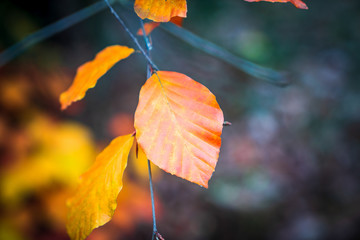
point(289, 164)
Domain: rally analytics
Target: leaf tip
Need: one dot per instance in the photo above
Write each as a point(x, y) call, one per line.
point(64, 104)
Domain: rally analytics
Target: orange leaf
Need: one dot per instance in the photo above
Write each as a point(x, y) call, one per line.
point(178, 125)
point(95, 200)
point(89, 73)
point(150, 26)
point(160, 10)
point(177, 21)
point(297, 3)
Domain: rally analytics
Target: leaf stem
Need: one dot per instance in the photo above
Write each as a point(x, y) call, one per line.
point(131, 36)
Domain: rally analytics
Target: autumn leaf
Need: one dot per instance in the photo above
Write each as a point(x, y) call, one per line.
point(160, 10)
point(94, 202)
point(297, 3)
point(178, 125)
point(177, 21)
point(89, 73)
point(150, 26)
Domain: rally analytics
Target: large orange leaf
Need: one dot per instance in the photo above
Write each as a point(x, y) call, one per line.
point(160, 10)
point(178, 125)
point(94, 202)
point(297, 3)
point(89, 73)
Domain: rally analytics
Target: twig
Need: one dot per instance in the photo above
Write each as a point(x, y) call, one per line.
point(146, 38)
point(131, 36)
point(155, 233)
point(50, 30)
point(212, 49)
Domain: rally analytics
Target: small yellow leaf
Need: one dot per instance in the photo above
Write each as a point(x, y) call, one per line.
point(94, 202)
point(89, 73)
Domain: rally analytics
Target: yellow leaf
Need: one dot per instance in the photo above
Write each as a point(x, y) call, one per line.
point(94, 202)
point(160, 10)
point(89, 73)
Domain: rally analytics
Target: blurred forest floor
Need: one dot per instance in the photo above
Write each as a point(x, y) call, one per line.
point(289, 164)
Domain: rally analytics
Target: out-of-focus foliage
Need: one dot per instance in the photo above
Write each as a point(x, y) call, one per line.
point(59, 153)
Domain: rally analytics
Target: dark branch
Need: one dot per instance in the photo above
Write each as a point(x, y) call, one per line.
point(155, 233)
point(212, 49)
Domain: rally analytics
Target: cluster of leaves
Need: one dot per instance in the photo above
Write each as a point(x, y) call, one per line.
point(178, 125)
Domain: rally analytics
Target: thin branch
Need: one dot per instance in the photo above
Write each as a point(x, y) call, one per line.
point(50, 30)
point(212, 49)
point(148, 48)
point(146, 38)
point(131, 36)
point(155, 233)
